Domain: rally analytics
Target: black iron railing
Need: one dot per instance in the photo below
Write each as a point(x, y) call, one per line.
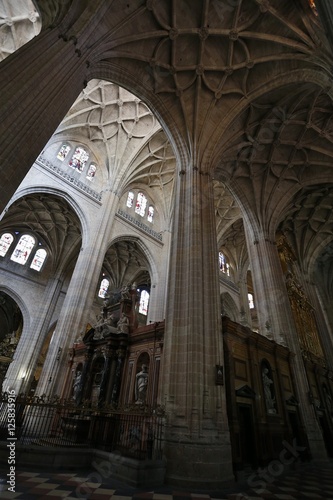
point(134, 431)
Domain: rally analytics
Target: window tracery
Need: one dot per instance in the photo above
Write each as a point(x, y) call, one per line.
point(38, 259)
point(23, 249)
point(130, 199)
point(223, 264)
point(91, 172)
point(150, 213)
point(79, 159)
point(144, 302)
point(5, 241)
point(103, 288)
point(25, 245)
point(63, 152)
point(140, 205)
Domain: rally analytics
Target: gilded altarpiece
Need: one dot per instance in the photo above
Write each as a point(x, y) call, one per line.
point(302, 310)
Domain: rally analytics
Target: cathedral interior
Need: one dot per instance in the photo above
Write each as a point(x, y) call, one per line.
point(166, 229)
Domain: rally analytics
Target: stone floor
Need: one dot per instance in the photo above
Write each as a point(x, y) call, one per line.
point(307, 481)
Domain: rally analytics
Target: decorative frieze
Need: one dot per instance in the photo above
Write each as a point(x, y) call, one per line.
point(132, 220)
point(70, 179)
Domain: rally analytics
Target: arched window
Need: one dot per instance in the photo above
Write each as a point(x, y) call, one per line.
point(141, 203)
point(130, 199)
point(91, 172)
point(104, 286)
point(150, 213)
point(144, 301)
point(79, 159)
point(23, 249)
point(251, 301)
point(63, 152)
point(5, 241)
point(223, 264)
point(38, 259)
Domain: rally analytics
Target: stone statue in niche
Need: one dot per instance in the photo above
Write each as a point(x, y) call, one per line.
point(141, 384)
point(77, 387)
point(269, 398)
point(123, 324)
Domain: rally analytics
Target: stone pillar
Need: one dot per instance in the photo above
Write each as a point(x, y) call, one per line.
point(156, 310)
point(38, 85)
point(276, 322)
point(79, 297)
point(21, 370)
point(197, 441)
point(245, 313)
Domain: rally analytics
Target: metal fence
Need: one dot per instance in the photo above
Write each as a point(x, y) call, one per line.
point(41, 421)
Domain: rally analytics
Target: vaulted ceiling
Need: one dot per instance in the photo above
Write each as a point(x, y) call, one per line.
point(244, 86)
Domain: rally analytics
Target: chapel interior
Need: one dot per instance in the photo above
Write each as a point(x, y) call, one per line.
point(166, 228)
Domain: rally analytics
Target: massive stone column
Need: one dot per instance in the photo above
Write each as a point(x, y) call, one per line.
point(276, 322)
point(38, 84)
point(197, 440)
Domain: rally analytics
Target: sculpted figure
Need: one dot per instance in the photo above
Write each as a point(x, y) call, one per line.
point(270, 402)
point(123, 324)
point(141, 383)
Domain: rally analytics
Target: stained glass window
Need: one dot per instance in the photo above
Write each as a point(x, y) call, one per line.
point(140, 206)
point(144, 301)
point(250, 299)
point(38, 259)
point(130, 199)
point(23, 249)
point(63, 152)
point(104, 286)
point(79, 159)
point(5, 242)
point(150, 213)
point(91, 172)
point(223, 264)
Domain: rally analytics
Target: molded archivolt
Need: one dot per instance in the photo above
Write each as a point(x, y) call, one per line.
point(229, 307)
point(125, 257)
point(21, 304)
point(50, 217)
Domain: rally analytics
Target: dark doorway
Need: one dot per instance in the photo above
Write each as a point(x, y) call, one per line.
point(247, 436)
point(327, 435)
point(295, 426)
